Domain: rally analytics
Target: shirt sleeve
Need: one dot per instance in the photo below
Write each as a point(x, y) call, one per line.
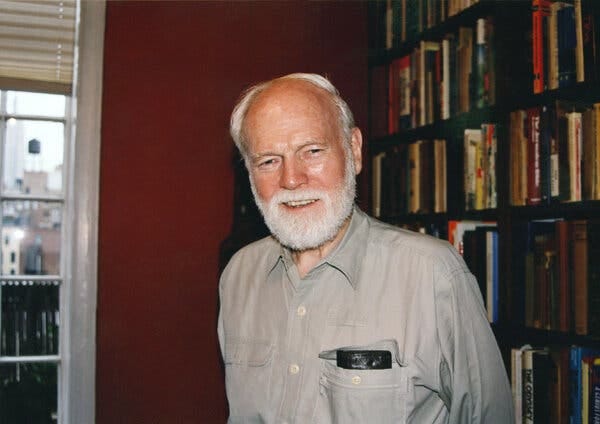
point(473, 380)
point(220, 328)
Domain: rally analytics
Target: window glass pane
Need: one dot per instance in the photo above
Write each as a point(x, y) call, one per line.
point(33, 157)
point(30, 319)
point(36, 104)
point(31, 230)
point(28, 393)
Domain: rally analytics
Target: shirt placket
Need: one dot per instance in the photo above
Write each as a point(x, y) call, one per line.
point(296, 348)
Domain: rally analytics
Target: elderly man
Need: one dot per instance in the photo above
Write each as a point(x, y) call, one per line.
point(339, 318)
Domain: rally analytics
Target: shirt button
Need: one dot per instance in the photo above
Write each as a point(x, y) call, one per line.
point(294, 369)
point(356, 380)
point(301, 311)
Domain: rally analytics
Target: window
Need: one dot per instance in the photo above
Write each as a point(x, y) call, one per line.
point(48, 295)
point(32, 207)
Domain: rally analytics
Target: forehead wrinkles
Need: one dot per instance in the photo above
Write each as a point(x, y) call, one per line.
point(287, 101)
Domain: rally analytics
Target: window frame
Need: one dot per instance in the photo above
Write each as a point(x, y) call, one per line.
point(79, 247)
point(83, 173)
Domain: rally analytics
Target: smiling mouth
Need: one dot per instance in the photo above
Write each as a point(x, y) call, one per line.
point(299, 203)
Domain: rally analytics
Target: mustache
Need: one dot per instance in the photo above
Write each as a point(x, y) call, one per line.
point(284, 195)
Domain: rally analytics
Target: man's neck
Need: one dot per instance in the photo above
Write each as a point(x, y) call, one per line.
point(306, 260)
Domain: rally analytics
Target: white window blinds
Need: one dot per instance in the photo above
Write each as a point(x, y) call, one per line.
point(37, 45)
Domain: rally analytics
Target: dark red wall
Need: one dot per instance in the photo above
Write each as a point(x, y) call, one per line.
point(172, 73)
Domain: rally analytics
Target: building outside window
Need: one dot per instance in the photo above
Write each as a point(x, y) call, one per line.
point(32, 208)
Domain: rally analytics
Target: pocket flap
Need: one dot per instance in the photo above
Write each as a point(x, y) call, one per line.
point(247, 352)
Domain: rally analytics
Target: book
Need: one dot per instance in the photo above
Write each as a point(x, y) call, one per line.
point(559, 411)
point(481, 69)
point(579, 59)
point(472, 143)
point(580, 275)
point(480, 172)
point(589, 28)
point(594, 415)
point(537, 369)
point(534, 193)
point(589, 152)
point(567, 45)
point(546, 158)
point(440, 178)
point(464, 64)
point(518, 158)
point(491, 149)
point(426, 176)
point(574, 132)
point(569, 135)
point(563, 230)
point(376, 184)
point(552, 46)
point(414, 160)
point(538, 272)
point(480, 252)
point(593, 273)
point(540, 9)
point(516, 380)
point(457, 228)
point(596, 165)
point(445, 86)
point(576, 356)
point(490, 50)
point(492, 282)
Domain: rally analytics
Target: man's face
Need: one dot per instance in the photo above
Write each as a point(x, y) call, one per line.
point(301, 171)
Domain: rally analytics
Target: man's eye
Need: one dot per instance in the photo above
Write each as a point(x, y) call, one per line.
point(266, 163)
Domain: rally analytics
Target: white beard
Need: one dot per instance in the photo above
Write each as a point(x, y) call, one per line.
point(309, 229)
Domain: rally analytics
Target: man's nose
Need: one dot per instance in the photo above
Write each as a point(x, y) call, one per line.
point(293, 175)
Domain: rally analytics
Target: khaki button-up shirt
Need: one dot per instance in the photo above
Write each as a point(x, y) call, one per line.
point(381, 288)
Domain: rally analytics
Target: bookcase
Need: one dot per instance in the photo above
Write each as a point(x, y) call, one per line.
point(485, 130)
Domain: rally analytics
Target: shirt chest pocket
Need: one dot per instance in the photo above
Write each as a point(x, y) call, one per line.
point(247, 376)
point(363, 396)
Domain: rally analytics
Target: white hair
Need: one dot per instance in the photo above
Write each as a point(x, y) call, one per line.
point(236, 124)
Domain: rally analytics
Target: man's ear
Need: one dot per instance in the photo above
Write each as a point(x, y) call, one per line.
point(356, 145)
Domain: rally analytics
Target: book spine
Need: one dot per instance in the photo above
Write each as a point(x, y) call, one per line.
point(492, 148)
point(595, 392)
point(533, 154)
point(580, 277)
point(537, 46)
point(528, 386)
point(575, 380)
point(564, 275)
point(376, 181)
point(567, 41)
point(545, 137)
point(593, 272)
point(596, 152)
point(415, 170)
point(554, 154)
point(589, 39)
point(481, 68)
point(552, 47)
point(574, 153)
point(516, 383)
point(480, 171)
point(562, 134)
point(579, 59)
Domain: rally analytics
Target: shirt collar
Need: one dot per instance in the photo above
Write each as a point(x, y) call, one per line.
point(346, 257)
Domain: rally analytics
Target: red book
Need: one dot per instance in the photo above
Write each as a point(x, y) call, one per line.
point(540, 9)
